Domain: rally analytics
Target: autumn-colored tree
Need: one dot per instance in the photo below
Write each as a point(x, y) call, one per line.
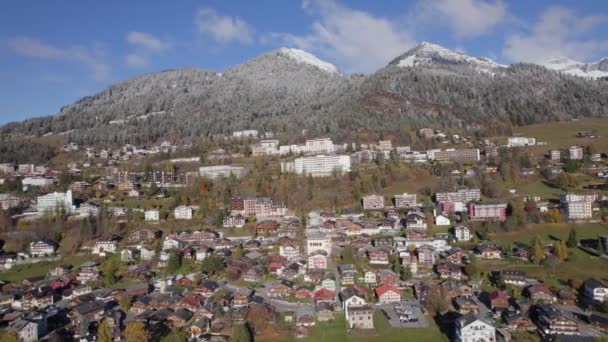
point(8, 336)
point(538, 250)
point(125, 302)
point(104, 334)
point(561, 251)
point(554, 216)
point(136, 332)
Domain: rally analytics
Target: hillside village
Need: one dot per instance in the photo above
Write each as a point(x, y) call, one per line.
point(452, 237)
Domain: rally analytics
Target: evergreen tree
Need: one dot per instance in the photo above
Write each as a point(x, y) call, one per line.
point(174, 263)
point(572, 240)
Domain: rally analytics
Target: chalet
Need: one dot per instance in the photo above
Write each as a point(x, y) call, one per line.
point(388, 277)
point(325, 312)
point(317, 260)
point(466, 305)
point(488, 250)
point(179, 317)
point(599, 321)
point(347, 274)
point(378, 256)
point(594, 290)
point(415, 219)
point(426, 256)
point(472, 328)
point(88, 272)
point(105, 244)
point(540, 293)
point(385, 242)
point(26, 331)
point(253, 274)
point(449, 271)
point(514, 278)
point(519, 322)
point(314, 275)
point(241, 298)
point(304, 292)
point(143, 234)
point(324, 295)
point(60, 270)
point(456, 256)
point(499, 301)
point(305, 317)
point(351, 297)
point(147, 253)
point(267, 227)
point(252, 245)
point(234, 221)
point(522, 252)
point(550, 320)
point(43, 248)
point(288, 248)
point(387, 294)
point(38, 298)
point(282, 289)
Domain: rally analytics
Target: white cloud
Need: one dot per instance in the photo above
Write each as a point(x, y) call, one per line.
point(358, 41)
point(466, 18)
point(146, 41)
point(92, 58)
point(559, 32)
point(136, 61)
point(223, 29)
point(144, 45)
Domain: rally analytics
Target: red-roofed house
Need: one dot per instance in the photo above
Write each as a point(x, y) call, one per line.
point(387, 294)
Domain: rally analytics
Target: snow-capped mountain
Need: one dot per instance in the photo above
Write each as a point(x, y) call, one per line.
point(566, 65)
point(305, 57)
point(428, 53)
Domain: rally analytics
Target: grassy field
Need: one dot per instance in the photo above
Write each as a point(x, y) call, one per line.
point(336, 331)
point(21, 272)
point(563, 134)
point(582, 266)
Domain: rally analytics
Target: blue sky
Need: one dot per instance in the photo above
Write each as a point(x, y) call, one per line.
point(53, 52)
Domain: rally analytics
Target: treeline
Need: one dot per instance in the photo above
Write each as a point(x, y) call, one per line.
point(24, 151)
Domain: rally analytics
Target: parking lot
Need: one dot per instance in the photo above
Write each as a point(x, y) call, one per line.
point(409, 306)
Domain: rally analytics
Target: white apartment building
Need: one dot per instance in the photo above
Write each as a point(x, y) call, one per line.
point(575, 153)
point(152, 215)
point(56, 200)
point(183, 213)
point(245, 133)
point(579, 210)
point(318, 166)
point(7, 169)
point(37, 181)
point(462, 195)
point(405, 200)
point(318, 242)
point(219, 171)
point(555, 155)
point(520, 141)
point(462, 233)
point(8, 201)
point(469, 328)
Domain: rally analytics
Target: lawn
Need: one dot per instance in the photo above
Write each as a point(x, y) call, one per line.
point(20, 272)
point(582, 266)
point(336, 331)
point(563, 134)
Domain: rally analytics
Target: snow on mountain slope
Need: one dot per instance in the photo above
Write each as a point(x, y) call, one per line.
point(568, 66)
point(428, 53)
point(302, 56)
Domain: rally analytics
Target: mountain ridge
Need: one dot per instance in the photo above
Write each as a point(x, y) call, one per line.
point(287, 90)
